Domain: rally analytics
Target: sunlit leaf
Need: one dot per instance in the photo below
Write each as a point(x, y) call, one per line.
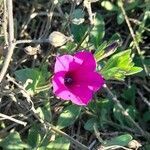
point(109, 5)
point(119, 66)
point(45, 112)
point(60, 143)
point(68, 116)
point(13, 142)
point(77, 16)
point(121, 140)
point(32, 77)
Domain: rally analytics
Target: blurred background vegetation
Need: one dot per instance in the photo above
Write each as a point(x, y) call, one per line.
point(117, 33)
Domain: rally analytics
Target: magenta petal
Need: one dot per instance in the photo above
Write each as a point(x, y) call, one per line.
point(59, 87)
point(83, 94)
point(88, 60)
point(63, 92)
point(62, 63)
point(75, 77)
point(92, 79)
point(58, 82)
point(67, 63)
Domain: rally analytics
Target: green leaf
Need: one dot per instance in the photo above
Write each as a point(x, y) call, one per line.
point(116, 59)
point(108, 48)
point(33, 137)
point(120, 18)
point(114, 73)
point(68, 116)
point(60, 143)
point(146, 146)
point(121, 140)
point(29, 74)
point(118, 115)
point(134, 70)
point(78, 31)
point(45, 112)
point(77, 16)
point(131, 110)
point(129, 94)
point(109, 5)
point(13, 142)
point(98, 31)
point(102, 108)
point(116, 37)
point(146, 116)
point(132, 4)
point(34, 77)
point(68, 47)
point(100, 51)
point(119, 66)
point(90, 124)
point(100, 104)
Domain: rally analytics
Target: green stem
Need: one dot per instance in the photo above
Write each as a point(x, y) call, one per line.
point(84, 37)
point(43, 88)
point(133, 37)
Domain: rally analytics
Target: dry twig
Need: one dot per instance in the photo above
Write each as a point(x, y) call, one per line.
point(13, 119)
point(11, 44)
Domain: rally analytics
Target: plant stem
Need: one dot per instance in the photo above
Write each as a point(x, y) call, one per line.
point(125, 113)
point(13, 119)
point(43, 88)
point(11, 44)
point(58, 131)
point(133, 36)
point(84, 37)
point(77, 143)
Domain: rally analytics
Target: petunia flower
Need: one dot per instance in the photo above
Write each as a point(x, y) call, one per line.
point(75, 77)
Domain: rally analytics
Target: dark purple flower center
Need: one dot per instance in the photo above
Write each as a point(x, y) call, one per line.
point(68, 80)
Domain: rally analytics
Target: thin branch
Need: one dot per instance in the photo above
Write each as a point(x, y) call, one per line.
point(77, 143)
point(5, 22)
point(32, 41)
point(53, 128)
point(87, 4)
point(84, 37)
point(143, 98)
point(125, 113)
point(50, 16)
point(13, 119)
point(7, 61)
point(22, 90)
point(11, 22)
point(11, 45)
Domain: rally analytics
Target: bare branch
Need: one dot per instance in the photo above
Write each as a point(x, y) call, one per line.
point(11, 45)
point(12, 119)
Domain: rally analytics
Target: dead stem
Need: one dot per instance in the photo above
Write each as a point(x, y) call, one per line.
point(11, 44)
point(12, 119)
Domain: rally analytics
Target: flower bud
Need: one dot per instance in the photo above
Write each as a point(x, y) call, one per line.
point(134, 144)
point(58, 39)
point(32, 50)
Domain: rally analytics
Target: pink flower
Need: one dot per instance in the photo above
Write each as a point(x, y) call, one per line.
point(75, 77)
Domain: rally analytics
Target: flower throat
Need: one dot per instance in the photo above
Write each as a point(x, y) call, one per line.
point(68, 80)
